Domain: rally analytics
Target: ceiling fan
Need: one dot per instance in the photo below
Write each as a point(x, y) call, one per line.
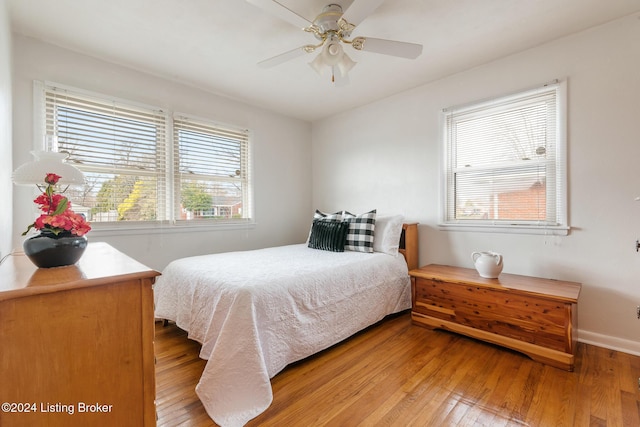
point(333, 28)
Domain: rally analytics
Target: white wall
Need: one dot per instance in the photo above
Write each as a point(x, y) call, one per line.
point(6, 165)
point(387, 155)
point(281, 152)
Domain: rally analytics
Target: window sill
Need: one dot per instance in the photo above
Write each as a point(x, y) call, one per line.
point(110, 229)
point(508, 229)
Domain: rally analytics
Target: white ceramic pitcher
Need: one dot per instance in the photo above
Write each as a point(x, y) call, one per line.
point(488, 264)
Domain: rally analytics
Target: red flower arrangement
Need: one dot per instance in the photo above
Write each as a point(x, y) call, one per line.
point(57, 216)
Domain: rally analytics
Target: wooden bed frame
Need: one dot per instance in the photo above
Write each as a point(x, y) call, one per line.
point(409, 244)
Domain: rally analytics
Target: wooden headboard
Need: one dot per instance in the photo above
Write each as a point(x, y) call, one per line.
point(409, 244)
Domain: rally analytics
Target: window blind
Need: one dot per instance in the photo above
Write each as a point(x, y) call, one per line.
point(504, 162)
point(120, 147)
point(212, 170)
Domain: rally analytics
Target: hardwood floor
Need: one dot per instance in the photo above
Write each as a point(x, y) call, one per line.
point(398, 374)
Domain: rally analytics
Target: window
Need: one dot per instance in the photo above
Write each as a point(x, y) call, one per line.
point(211, 170)
point(505, 163)
point(139, 173)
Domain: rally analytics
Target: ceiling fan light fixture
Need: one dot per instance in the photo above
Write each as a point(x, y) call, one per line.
point(332, 53)
point(334, 58)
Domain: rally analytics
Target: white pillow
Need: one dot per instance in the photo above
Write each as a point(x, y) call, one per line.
point(387, 235)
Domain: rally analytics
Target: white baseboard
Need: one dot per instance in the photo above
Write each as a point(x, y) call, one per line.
point(606, 341)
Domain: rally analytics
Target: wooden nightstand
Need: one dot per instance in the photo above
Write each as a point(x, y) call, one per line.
point(535, 316)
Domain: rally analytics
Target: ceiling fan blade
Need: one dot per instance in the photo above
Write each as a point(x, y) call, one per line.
point(283, 57)
point(281, 11)
point(359, 10)
point(387, 47)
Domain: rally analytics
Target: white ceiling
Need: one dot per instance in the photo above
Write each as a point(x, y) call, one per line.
point(215, 44)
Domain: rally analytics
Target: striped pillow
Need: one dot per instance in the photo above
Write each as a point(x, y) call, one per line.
point(361, 231)
point(328, 235)
point(318, 214)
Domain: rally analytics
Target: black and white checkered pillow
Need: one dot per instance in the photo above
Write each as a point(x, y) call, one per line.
point(361, 230)
point(328, 216)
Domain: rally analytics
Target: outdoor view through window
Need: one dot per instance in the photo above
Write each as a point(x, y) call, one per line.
point(132, 172)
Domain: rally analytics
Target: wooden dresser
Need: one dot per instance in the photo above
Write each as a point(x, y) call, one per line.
point(535, 316)
point(76, 342)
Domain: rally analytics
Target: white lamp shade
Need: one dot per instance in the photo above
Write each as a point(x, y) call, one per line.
point(334, 58)
point(346, 64)
point(317, 64)
point(46, 162)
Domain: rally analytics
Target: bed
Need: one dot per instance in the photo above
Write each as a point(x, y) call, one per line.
point(255, 312)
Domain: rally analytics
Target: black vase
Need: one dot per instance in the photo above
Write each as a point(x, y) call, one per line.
point(47, 249)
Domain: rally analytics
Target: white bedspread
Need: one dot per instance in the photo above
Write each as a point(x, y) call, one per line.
point(255, 312)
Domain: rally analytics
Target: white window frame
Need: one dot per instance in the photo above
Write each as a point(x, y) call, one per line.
point(558, 172)
point(170, 222)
